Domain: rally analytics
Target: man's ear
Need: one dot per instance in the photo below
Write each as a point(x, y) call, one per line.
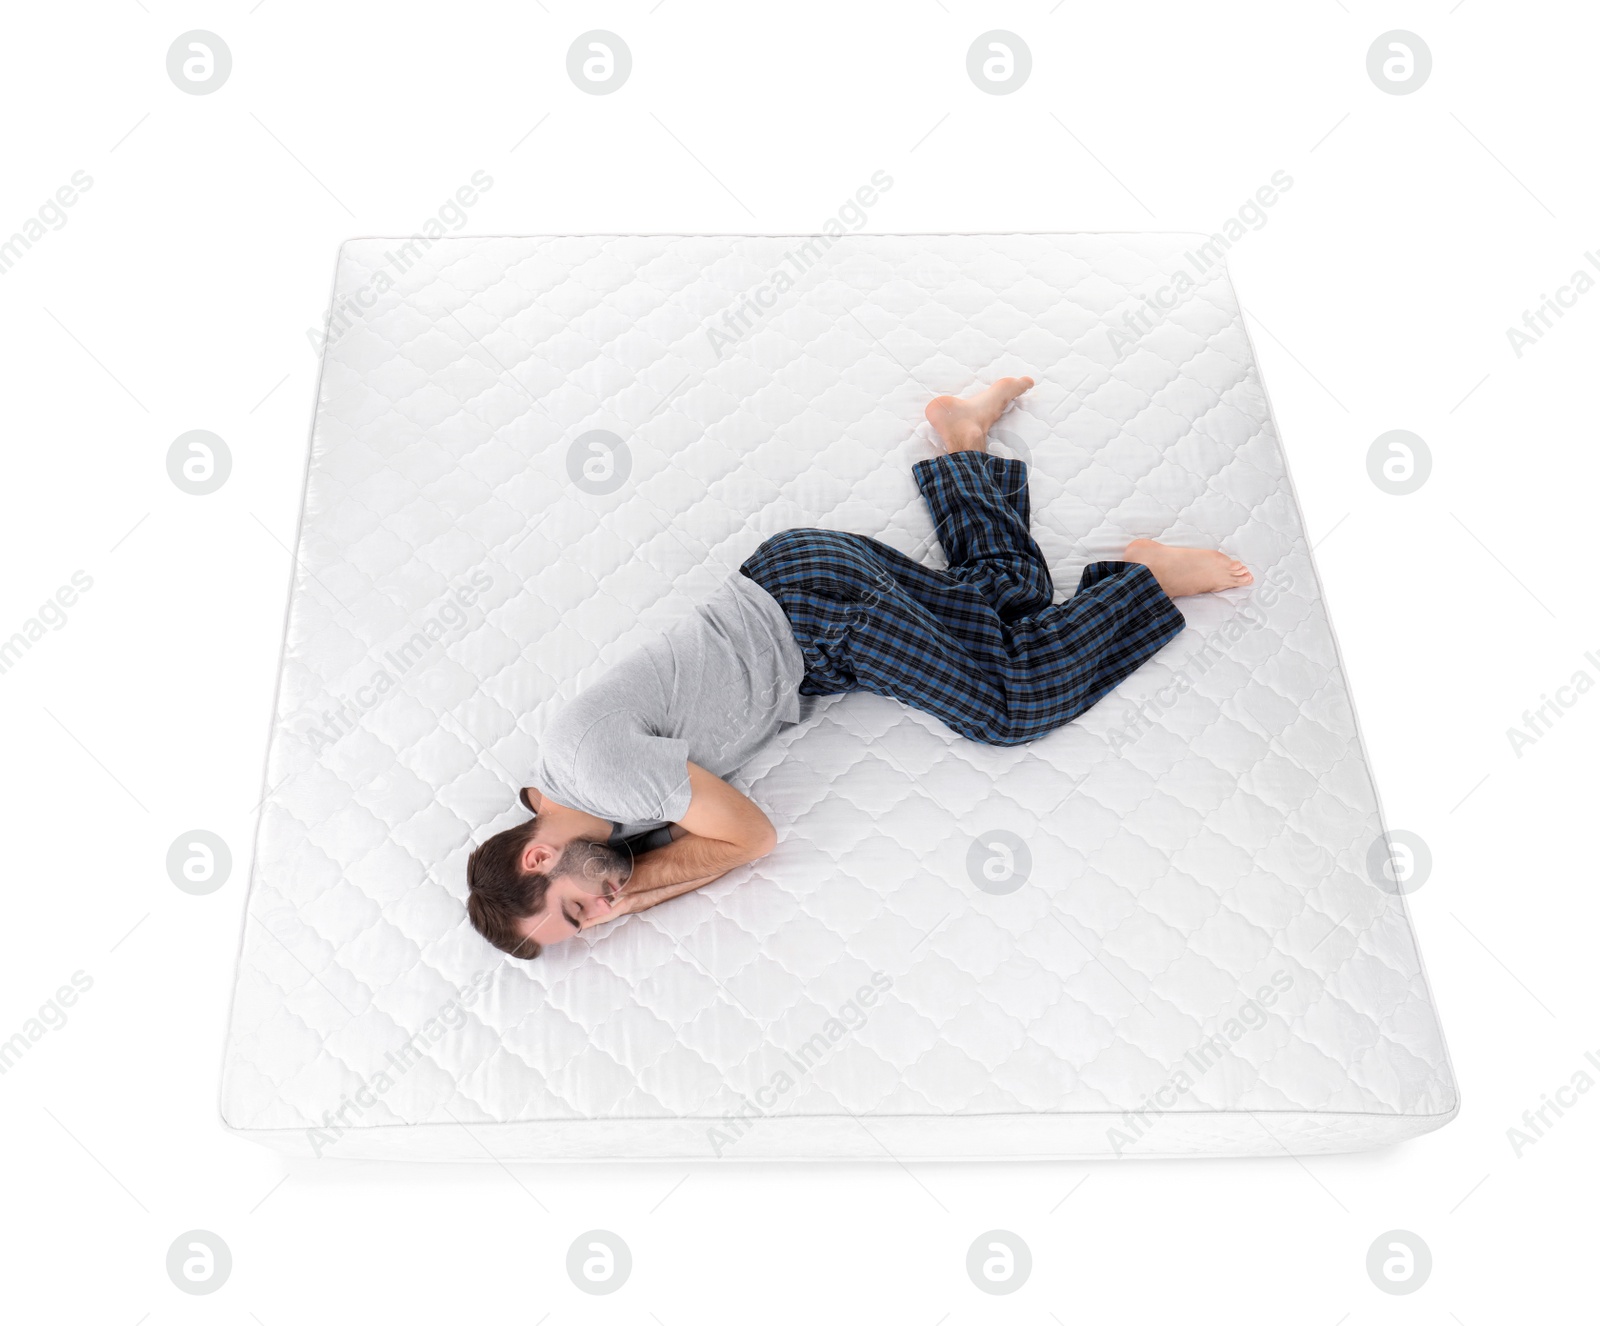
point(537, 858)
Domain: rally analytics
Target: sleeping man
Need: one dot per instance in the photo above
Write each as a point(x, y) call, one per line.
point(628, 799)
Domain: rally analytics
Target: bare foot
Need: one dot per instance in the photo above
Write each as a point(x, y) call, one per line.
point(1181, 571)
point(963, 423)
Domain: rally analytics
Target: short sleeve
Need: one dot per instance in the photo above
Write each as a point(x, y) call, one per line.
point(621, 771)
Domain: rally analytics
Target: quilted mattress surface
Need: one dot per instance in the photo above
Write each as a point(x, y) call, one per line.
point(1158, 931)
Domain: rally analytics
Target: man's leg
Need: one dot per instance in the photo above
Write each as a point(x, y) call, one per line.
point(866, 617)
point(1060, 657)
point(979, 646)
point(1053, 660)
point(979, 506)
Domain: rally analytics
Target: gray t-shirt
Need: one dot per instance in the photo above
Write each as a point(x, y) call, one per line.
point(711, 689)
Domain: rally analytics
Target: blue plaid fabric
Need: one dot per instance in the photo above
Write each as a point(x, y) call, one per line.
point(980, 646)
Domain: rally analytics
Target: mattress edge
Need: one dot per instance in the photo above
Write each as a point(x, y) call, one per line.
point(608, 1140)
point(1452, 1081)
point(787, 234)
point(277, 694)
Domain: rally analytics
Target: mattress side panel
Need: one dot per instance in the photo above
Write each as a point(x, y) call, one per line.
point(1419, 1024)
point(233, 1082)
point(1090, 1136)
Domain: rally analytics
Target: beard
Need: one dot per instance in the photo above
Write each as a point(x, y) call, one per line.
point(594, 867)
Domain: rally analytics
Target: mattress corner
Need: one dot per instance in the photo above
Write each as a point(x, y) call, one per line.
point(221, 1102)
point(220, 1112)
point(349, 241)
point(1452, 1103)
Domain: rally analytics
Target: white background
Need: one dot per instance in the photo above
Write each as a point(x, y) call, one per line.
point(178, 296)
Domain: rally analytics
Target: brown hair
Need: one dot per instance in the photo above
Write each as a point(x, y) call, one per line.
point(500, 893)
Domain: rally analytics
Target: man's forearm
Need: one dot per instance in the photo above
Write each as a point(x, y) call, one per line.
point(684, 865)
point(642, 900)
point(655, 874)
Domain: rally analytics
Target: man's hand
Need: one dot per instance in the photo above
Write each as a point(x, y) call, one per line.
point(608, 904)
point(619, 905)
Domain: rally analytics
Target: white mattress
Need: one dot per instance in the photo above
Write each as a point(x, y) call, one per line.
point(1199, 837)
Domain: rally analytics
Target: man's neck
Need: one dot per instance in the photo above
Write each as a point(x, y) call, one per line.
point(567, 821)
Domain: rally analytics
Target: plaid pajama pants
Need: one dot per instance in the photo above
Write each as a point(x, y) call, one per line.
point(980, 646)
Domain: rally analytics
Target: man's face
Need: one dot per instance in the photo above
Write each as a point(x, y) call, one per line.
point(585, 879)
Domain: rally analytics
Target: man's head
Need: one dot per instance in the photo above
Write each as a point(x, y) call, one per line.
point(524, 893)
